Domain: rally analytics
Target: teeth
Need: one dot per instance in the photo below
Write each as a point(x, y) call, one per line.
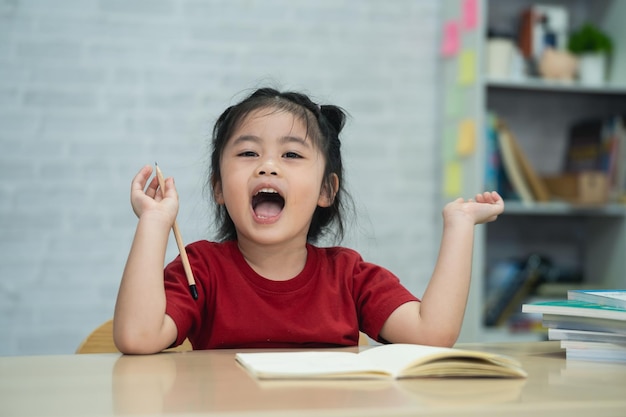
point(267, 190)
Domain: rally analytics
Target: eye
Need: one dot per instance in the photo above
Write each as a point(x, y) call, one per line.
point(293, 155)
point(247, 154)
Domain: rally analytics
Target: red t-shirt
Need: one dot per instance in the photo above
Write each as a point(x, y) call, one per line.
point(336, 295)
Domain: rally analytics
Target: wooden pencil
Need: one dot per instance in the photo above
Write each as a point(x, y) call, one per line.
point(179, 241)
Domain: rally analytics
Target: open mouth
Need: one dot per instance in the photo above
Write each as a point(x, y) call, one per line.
point(267, 203)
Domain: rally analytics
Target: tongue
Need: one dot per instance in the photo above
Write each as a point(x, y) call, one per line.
point(267, 209)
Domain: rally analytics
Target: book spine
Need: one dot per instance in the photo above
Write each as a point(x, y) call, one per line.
point(492, 168)
point(511, 166)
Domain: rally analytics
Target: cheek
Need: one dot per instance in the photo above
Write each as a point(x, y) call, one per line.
point(234, 192)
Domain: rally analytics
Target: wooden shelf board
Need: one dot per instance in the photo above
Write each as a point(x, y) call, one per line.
point(545, 85)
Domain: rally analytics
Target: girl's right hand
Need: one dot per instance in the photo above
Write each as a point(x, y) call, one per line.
point(153, 200)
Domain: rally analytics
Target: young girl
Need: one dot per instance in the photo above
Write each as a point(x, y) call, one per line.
point(277, 181)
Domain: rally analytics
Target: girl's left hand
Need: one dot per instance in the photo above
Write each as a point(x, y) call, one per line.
point(483, 208)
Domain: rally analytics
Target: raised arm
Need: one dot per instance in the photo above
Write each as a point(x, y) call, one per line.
point(438, 318)
point(140, 324)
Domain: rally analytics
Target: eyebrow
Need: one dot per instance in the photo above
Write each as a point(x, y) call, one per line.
point(282, 140)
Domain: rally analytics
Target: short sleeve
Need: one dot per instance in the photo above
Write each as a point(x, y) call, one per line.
point(377, 293)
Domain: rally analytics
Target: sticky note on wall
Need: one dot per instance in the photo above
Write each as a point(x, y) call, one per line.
point(466, 140)
point(452, 181)
point(451, 39)
point(467, 67)
point(470, 14)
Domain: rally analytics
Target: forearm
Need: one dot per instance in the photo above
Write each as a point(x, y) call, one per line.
point(139, 319)
point(437, 319)
point(444, 301)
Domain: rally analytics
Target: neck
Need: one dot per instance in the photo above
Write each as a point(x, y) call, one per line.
point(274, 262)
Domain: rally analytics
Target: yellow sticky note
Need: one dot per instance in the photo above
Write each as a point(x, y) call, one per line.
point(452, 181)
point(467, 67)
point(466, 141)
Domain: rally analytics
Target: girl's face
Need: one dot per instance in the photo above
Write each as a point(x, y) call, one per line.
point(271, 178)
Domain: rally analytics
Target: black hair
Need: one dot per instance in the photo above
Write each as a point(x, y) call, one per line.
point(323, 124)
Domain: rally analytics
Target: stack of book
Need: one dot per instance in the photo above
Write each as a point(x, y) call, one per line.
point(591, 324)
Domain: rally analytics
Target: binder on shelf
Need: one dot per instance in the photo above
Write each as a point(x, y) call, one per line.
point(536, 184)
point(507, 297)
point(594, 163)
point(511, 165)
point(494, 178)
point(586, 148)
point(518, 168)
point(616, 132)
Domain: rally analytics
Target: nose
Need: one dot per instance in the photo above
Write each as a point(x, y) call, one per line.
point(267, 173)
point(267, 167)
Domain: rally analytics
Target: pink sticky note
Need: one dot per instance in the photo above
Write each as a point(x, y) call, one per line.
point(450, 41)
point(470, 14)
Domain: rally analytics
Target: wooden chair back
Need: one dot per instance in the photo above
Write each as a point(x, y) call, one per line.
point(101, 341)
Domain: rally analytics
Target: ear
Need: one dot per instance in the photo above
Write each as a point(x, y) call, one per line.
point(329, 191)
point(217, 193)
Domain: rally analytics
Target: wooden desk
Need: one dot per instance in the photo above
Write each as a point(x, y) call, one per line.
point(212, 383)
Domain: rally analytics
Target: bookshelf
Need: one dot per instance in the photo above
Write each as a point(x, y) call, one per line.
point(586, 245)
point(555, 87)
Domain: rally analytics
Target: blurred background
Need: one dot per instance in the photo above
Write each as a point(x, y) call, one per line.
point(92, 90)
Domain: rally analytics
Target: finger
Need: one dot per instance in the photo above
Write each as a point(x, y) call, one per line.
point(170, 188)
point(497, 199)
point(487, 197)
point(139, 181)
point(151, 191)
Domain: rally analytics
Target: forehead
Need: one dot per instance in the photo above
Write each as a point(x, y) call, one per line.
point(271, 121)
point(276, 121)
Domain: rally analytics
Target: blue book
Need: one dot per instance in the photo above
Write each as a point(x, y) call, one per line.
point(576, 308)
point(611, 298)
point(590, 324)
point(492, 157)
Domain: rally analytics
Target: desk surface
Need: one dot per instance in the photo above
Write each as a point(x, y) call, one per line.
point(212, 383)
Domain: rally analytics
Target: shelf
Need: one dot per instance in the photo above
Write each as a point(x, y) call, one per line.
point(539, 84)
point(582, 241)
point(563, 209)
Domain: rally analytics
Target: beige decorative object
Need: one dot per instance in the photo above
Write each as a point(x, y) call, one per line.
point(558, 65)
point(585, 188)
point(499, 56)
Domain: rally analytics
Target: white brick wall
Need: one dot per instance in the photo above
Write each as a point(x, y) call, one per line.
point(90, 90)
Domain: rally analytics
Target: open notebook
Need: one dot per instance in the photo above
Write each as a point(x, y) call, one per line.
point(381, 362)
